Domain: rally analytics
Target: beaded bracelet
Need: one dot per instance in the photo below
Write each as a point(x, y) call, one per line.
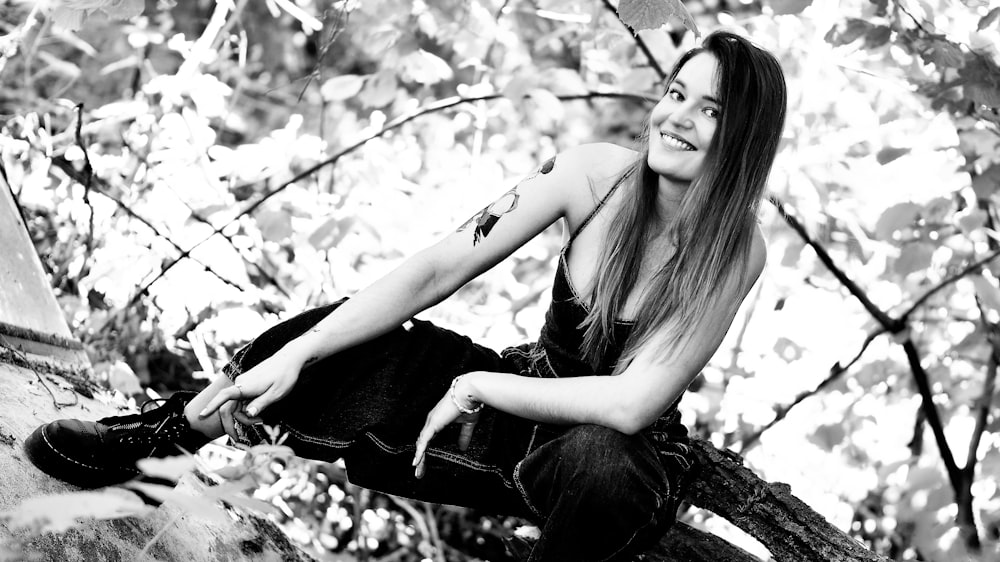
point(458, 404)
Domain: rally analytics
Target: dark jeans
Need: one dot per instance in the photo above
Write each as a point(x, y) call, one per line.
point(596, 493)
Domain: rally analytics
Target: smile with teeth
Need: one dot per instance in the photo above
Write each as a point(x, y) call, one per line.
point(676, 143)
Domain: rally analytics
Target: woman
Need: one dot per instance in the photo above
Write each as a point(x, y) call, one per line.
point(663, 247)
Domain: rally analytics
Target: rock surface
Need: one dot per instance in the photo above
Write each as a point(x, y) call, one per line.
point(24, 404)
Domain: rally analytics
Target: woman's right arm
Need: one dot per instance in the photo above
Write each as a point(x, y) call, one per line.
point(433, 274)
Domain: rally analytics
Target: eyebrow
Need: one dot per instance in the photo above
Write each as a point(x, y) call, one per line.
point(709, 98)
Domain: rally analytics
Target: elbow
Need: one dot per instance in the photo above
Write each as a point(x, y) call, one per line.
point(628, 418)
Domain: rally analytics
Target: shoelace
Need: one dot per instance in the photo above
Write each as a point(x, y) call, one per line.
point(146, 428)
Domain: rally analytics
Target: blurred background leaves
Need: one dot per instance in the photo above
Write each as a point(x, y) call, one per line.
point(196, 173)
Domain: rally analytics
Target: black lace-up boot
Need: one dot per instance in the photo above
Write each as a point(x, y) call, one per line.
point(102, 453)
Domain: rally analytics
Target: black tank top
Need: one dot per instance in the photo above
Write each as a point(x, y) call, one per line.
point(558, 352)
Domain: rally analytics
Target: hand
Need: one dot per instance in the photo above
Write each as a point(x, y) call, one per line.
point(231, 412)
point(266, 383)
point(443, 413)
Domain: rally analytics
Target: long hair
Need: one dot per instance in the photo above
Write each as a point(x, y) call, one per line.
point(715, 222)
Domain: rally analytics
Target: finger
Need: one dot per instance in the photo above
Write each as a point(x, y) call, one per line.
point(466, 435)
point(226, 416)
point(223, 396)
point(419, 456)
point(242, 417)
point(257, 405)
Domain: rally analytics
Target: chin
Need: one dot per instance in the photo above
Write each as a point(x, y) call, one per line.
point(670, 170)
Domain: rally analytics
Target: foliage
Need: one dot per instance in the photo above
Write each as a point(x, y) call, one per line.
point(246, 163)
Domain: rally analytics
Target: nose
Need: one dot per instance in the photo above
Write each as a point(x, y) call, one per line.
point(680, 117)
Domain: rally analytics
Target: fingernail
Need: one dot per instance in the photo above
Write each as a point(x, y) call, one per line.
point(252, 411)
point(203, 413)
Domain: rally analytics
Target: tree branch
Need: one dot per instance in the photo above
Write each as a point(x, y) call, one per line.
point(930, 411)
point(889, 324)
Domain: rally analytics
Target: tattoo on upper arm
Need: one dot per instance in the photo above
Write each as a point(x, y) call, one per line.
point(487, 218)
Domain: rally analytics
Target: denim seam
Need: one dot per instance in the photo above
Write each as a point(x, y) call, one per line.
point(524, 493)
point(238, 360)
point(443, 455)
point(317, 440)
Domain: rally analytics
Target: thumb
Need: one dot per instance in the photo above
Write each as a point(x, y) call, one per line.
point(466, 435)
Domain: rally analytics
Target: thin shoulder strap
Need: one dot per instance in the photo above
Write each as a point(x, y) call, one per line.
point(600, 204)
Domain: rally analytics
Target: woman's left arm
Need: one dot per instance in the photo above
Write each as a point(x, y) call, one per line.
point(629, 402)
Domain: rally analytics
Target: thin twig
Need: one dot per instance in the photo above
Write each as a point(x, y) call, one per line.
point(835, 371)
point(88, 177)
point(639, 42)
point(973, 267)
point(28, 364)
point(395, 124)
point(67, 167)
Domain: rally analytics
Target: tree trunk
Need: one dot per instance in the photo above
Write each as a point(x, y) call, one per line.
point(790, 529)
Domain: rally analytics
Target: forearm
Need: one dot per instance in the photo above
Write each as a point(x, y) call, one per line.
point(384, 305)
point(577, 400)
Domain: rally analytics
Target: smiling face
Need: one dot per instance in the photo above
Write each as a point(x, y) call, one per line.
point(683, 122)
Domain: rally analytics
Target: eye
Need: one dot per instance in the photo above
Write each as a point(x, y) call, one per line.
point(711, 112)
point(675, 94)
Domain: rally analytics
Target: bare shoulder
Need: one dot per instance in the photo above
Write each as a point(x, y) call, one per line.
point(599, 165)
point(603, 160)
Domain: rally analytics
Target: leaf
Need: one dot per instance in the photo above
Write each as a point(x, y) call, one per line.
point(518, 87)
point(565, 82)
point(970, 220)
point(896, 217)
point(171, 468)
point(828, 436)
point(877, 36)
point(342, 87)
point(331, 233)
point(988, 293)
point(274, 226)
point(547, 103)
point(986, 183)
point(651, 14)
point(380, 89)
point(59, 512)
point(914, 257)
point(425, 68)
point(844, 33)
point(944, 54)
point(983, 94)
point(988, 19)
point(784, 7)
point(889, 153)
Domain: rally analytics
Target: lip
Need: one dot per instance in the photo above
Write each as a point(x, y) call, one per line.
point(678, 138)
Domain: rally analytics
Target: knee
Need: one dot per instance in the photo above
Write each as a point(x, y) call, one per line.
point(604, 464)
point(594, 450)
